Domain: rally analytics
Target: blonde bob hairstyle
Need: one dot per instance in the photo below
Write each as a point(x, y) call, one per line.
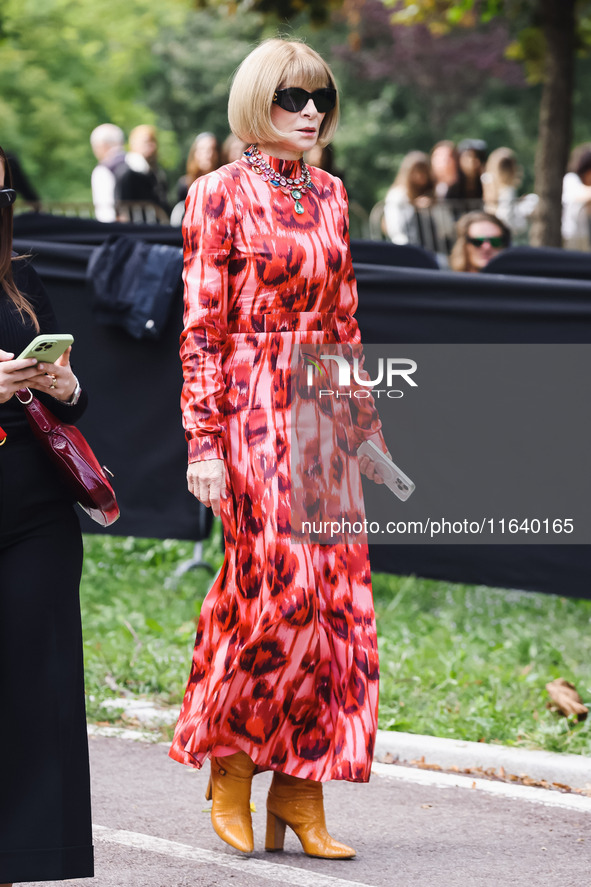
point(276, 64)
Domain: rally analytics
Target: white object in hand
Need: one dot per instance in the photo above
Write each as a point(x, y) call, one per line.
point(395, 479)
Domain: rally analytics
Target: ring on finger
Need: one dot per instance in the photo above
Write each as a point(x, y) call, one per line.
point(53, 381)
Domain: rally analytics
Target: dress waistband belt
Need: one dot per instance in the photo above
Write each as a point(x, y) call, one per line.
point(282, 323)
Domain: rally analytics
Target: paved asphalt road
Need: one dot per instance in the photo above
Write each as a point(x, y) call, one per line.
point(152, 829)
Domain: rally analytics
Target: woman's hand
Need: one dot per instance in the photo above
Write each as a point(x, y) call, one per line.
point(207, 481)
point(15, 374)
point(56, 378)
point(368, 468)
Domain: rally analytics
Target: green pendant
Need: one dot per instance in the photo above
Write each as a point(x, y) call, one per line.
point(296, 194)
point(298, 208)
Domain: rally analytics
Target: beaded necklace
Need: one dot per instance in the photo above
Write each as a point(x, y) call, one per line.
point(296, 187)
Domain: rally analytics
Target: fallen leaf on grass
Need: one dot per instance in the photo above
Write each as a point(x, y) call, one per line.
point(565, 699)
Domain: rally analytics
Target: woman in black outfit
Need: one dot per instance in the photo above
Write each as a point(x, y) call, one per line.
point(45, 825)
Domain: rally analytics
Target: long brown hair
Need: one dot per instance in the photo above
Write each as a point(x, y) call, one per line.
point(6, 279)
point(415, 160)
point(194, 171)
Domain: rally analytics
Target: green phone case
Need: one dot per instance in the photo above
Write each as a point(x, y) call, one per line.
point(47, 347)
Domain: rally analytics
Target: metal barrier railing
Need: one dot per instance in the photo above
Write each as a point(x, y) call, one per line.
point(434, 227)
point(139, 212)
point(72, 208)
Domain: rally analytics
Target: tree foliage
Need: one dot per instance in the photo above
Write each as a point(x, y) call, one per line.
point(525, 16)
point(193, 64)
point(402, 88)
point(317, 11)
point(66, 66)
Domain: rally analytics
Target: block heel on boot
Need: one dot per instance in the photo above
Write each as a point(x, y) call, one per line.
point(299, 804)
point(275, 832)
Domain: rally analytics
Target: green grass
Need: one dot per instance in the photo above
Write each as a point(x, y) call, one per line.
point(459, 661)
point(138, 621)
point(472, 662)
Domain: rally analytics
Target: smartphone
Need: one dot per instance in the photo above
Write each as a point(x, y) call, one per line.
point(47, 347)
point(395, 479)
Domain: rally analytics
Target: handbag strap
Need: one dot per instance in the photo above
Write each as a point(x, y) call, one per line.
point(25, 396)
point(40, 418)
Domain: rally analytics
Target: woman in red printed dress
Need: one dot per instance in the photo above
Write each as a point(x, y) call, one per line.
point(285, 667)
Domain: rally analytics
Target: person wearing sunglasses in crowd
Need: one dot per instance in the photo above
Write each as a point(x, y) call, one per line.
point(45, 823)
point(481, 237)
point(285, 667)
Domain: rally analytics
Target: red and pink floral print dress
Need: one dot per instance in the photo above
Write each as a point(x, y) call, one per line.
point(285, 665)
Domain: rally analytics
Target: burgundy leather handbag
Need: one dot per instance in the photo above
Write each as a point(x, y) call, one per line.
point(71, 454)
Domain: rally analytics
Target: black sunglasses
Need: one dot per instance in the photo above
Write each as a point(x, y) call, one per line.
point(496, 242)
point(295, 99)
point(7, 197)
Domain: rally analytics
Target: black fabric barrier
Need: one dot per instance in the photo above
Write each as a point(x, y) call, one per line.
point(133, 419)
point(532, 261)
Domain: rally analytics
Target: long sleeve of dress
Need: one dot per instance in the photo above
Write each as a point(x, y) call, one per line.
point(366, 419)
point(207, 234)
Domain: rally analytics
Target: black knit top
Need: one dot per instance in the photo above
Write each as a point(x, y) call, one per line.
point(16, 333)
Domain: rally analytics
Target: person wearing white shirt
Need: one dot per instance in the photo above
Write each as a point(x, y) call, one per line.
point(576, 199)
point(107, 143)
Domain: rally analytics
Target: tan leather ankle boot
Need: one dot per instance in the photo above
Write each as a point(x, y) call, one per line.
point(229, 789)
point(298, 803)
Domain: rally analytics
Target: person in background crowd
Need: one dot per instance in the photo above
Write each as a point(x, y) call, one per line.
point(21, 182)
point(471, 159)
point(445, 170)
point(144, 181)
point(576, 198)
point(413, 189)
point(204, 156)
point(500, 181)
point(45, 822)
point(481, 237)
point(324, 158)
point(107, 142)
point(232, 148)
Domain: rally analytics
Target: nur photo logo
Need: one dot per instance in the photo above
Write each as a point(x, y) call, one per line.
point(390, 370)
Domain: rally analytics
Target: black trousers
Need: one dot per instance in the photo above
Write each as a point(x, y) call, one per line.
point(45, 820)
